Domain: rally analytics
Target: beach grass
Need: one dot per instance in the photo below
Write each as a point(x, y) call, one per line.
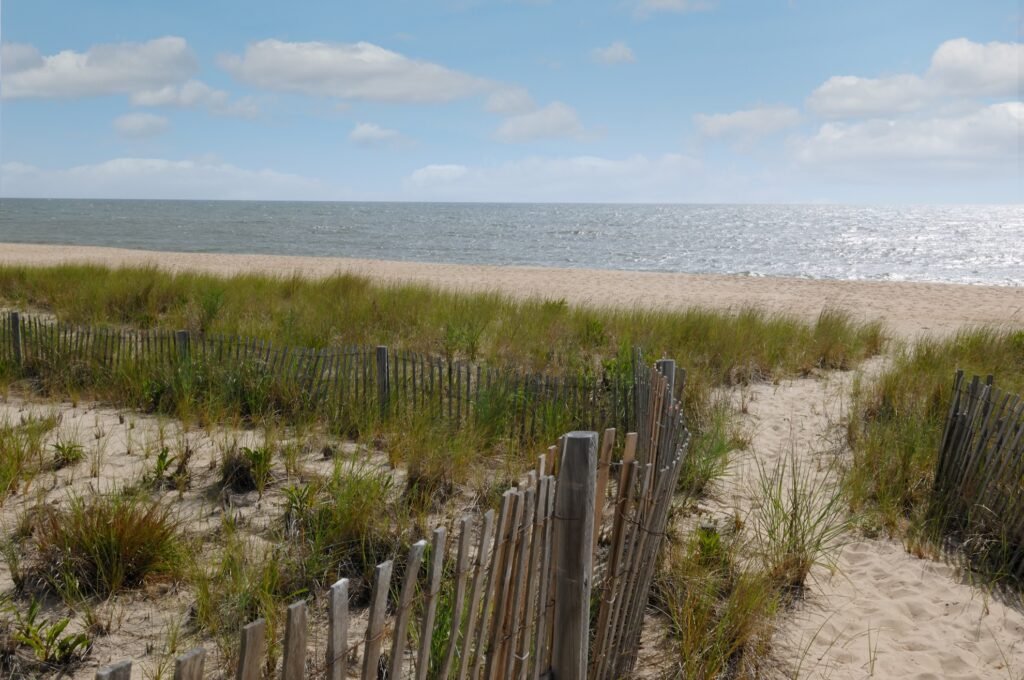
point(543, 335)
point(897, 420)
point(348, 520)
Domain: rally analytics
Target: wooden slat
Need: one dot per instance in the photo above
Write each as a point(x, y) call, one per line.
point(294, 666)
point(337, 630)
point(403, 614)
point(437, 551)
point(121, 670)
point(190, 666)
point(250, 656)
point(461, 573)
point(603, 469)
point(375, 627)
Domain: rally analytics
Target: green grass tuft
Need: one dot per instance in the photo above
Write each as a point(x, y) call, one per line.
point(102, 544)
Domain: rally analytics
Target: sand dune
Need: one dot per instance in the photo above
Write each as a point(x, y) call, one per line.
point(882, 613)
point(908, 309)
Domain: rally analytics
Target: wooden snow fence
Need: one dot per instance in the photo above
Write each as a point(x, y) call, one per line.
point(344, 382)
point(516, 585)
point(978, 493)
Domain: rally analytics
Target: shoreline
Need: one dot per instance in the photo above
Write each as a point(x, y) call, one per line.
point(907, 308)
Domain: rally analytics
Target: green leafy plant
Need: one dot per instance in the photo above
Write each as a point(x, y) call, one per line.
point(67, 452)
point(47, 639)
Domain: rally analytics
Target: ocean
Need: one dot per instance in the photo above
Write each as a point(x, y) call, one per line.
point(960, 244)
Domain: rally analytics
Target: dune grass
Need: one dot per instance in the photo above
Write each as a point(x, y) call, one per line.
point(22, 446)
point(354, 518)
point(100, 544)
point(715, 347)
point(543, 335)
point(897, 421)
point(721, 613)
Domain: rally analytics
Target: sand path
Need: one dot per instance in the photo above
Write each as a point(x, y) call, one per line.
point(882, 613)
point(908, 309)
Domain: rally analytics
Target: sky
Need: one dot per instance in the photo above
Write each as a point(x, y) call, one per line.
point(668, 101)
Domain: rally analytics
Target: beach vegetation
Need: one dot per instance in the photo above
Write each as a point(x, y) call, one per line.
point(100, 544)
point(896, 421)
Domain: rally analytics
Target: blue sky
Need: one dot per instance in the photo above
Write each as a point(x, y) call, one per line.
point(632, 100)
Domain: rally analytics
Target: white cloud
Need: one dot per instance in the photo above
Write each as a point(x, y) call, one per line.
point(160, 178)
point(747, 124)
point(140, 125)
point(640, 178)
point(371, 134)
point(351, 71)
point(647, 7)
point(433, 175)
point(16, 57)
point(117, 68)
point(851, 96)
point(194, 94)
point(509, 100)
point(554, 120)
point(987, 139)
point(959, 68)
point(616, 53)
point(967, 68)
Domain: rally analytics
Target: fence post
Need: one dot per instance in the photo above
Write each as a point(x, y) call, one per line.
point(574, 539)
point(16, 337)
point(383, 381)
point(121, 670)
point(181, 341)
point(667, 367)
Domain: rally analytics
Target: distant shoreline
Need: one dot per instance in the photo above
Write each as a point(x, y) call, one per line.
point(907, 308)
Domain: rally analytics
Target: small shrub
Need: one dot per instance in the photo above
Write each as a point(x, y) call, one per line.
point(101, 544)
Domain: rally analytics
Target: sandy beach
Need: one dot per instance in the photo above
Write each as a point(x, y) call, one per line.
point(907, 309)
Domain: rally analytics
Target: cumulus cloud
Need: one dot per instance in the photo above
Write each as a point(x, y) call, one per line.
point(968, 68)
point(986, 139)
point(140, 125)
point(959, 68)
point(371, 134)
point(640, 178)
point(116, 68)
point(196, 94)
point(160, 178)
point(509, 100)
point(616, 53)
point(851, 96)
point(350, 71)
point(554, 120)
point(747, 124)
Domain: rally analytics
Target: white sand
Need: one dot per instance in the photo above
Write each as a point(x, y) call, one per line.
point(882, 613)
point(908, 309)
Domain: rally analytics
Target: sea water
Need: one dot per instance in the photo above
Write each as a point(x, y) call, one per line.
point(960, 244)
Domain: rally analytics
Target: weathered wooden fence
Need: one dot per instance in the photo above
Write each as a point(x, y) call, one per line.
point(978, 494)
point(341, 381)
point(516, 586)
